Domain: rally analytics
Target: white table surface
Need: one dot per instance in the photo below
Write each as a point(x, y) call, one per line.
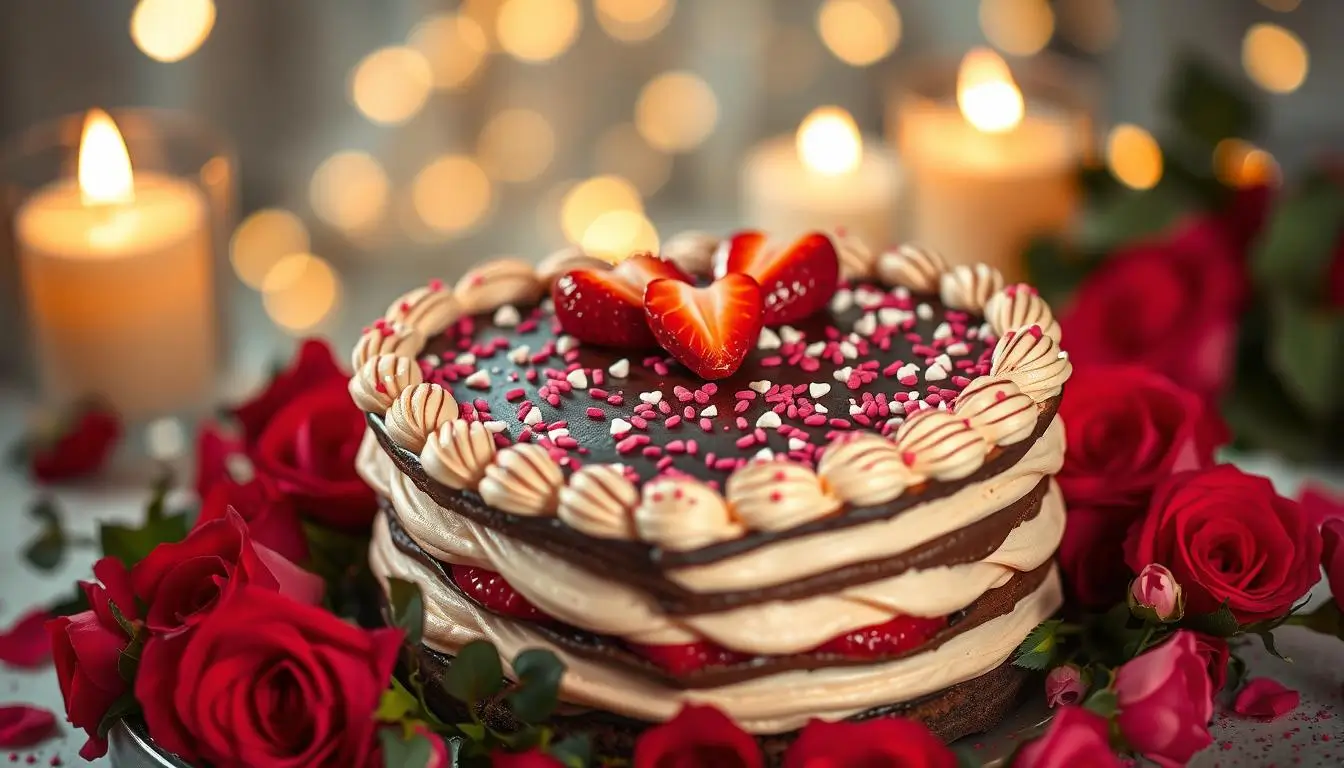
point(1312, 735)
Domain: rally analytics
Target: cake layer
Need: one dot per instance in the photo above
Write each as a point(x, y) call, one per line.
point(772, 704)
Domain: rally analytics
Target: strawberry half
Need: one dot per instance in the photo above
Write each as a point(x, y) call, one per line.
point(606, 307)
point(796, 280)
point(710, 330)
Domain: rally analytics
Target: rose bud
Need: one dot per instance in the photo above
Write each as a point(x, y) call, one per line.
point(1154, 595)
point(1064, 686)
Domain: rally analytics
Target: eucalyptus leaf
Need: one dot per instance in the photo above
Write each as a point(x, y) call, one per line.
point(1300, 240)
point(539, 672)
point(1219, 623)
point(47, 550)
point(1307, 351)
point(574, 751)
point(396, 704)
point(408, 608)
point(1103, 701)
point(475, 674)
point(414, 751)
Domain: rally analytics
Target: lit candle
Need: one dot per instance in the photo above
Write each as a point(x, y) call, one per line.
point(989, 170)
point(824, 178)
point(117, 273)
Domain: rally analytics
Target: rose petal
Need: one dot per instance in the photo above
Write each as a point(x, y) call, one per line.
point(23, 726)
point(1266, 699)
point(26, 645)
point(1321, 505)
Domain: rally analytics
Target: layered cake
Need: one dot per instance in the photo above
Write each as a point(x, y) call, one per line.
point(792, 480)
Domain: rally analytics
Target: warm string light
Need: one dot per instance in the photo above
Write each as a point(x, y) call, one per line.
point(452, 195)
point(349, 191)
point(262, 239)
point(988, 97)
point(632, 21)
point(676, 112)
point(829, 142)
point(516, 145)
point(1274, 57)
point(1133, 156)
point(300, 291)
point(455, 47)
point(537, 30)
point(614, 235)
point(390, 85)
point(583, 203)
point(859, 32)
point(1241, 164)
point(171, 30)
point(1019, 27)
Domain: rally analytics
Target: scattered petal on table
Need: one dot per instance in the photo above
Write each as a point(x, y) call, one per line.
point(1265, 698)
point(24, 726)
point(26, 644)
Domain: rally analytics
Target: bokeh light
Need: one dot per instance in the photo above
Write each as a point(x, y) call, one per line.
point(300, 291)
point(859, 32)
point(171, 30)
point(485, 14)
point(516, 145)
point(390, 85)
point(1133, 156)
point(454, 46)
point(537, 30)
point(622, 151)
point(1274, 57)
point(1239, 163)
point(676, 112)
point(828, 141)
point(452, 195)
point(631, 21)
point(1092, 25)
point(616, 234)
point(590, 198)
point(349, 191)
point(262, 239)
point(1019, 27)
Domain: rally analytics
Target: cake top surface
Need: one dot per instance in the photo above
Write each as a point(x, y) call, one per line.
point(818, 377)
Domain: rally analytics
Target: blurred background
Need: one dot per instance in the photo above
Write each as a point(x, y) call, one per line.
point(302, 162)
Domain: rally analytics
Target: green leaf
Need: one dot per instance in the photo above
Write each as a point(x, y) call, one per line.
point(1220, 623)
point(396, 704)
point(1133, 215)
point(966, 758)
point(1326, 619)
point(1296, 249)
point(398, 752)
point(1037, 651)
point(1267, 637)
point(475, 674)
point(46, 552)
point(156, 510)
point(1236, 673)
point(474, 732)
point(408, 609)
point(126, 624)
point(331, 552)
point(1104, 702)
point(1306, 349)
point(1207, 107)
point(539, 672)
point(124, 706)
point(130, 545)
point(574, 751)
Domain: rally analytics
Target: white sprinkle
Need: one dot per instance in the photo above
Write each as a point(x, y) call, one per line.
point(620, 426)
point(842, 300)
point(895, 421)
point(924, 312)
point(814, 349)
point(620, 369)
point(577, 378)
point(901, 292)
point(935, 372)
point(565, 344)
point(986, 330)
point(854, 408)
point(547, 305)
point(434, 360)
point(796, 444)
point(466, 358)
point(848, 349)
point(768, 420)
point(767, 340)
point(819, 408)
point(652, 398)
point(1063, 355)
point(478, 380)
point(495, 426)
point(843, 374)
point(942, 405)
point(789, 334)
point(533, 417)
point(868, 298)
point(818, 388)
point(866, 324)
point(507, 316)
point(765, 454)
point(944, 362)
point(760, 387)
point(710, 411)
point(556, 434)
point(914, 395)
point(942, 331)
point(958, 348)
point(519, 355)
point(906, 371)
point(891, 316)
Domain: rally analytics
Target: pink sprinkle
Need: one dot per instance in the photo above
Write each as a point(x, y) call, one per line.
point(525, 436)
point(553, 399)
point(595, 414)
point(672, 422)
point(664, 463)
point(676, 446)
point(746, 441)
point(660, 369)
point(683, 394)
point(774, 361)
point(515, 394)
point(742, 406)
point(960, 381)
point(628, 445)
point(740, 423)
point(597, 394)
point(599, 376)
point(664, 407)
point(746, 394)
point(692, 447)
point(702, 397)
point(639, 423)
point(615, 400)
point(652, 451)
point(815, 420)
point(707, 425)
point(710, 388)
point(725, 464)
point(567, 442)
point(688, 412)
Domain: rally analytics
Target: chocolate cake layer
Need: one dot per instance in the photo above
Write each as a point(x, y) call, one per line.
point(992, 604)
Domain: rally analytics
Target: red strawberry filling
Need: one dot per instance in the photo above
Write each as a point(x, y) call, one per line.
point(879, 640)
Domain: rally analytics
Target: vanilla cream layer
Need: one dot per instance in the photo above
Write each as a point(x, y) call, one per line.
point(597, 603)
point(772, 704)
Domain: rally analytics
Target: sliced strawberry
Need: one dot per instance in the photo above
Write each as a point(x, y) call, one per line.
point(886, 639)
point(641, 269)
point(606, 307)
point(679, 660)
point(796, 280)
point(494, 593)
point(710, 330)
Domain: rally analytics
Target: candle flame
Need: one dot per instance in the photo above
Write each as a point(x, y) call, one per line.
point(986, 93)
point(829, 142)
point(105, 176)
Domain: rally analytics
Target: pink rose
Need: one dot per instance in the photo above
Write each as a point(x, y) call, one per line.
point(1076, 738)
point(1064, 686)
point(1155, 594)
point(1166, 702)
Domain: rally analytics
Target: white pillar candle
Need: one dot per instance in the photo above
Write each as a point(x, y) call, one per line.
point(823, 178)
point(991, 169)
point(117, 276)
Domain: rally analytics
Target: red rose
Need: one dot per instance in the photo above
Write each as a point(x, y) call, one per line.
point(1076, 738)
point(214, 447)
point(78, 448)
point(264, 680)
point(698, 735)
point(87, 648)
point(530, 759)
point(1170, 305)
point(1092, 557)
point(309, 449)
point(1228, 537)
point(313, 368)
point(1216, 655)
point(1320, 504)
point(1166, 702)
point(182, 582)
point(881, 741)
point(1332, 558)
point(271, 518)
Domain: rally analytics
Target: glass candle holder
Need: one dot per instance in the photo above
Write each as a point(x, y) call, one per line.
point(115, 224)
point(991, 152)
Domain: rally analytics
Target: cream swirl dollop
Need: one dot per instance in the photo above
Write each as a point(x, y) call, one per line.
point(911, 266)
point(428, 309)
point(865, 470)
point(856, 258)
point(969, 287)
point(418, 413)
point(457, 453)
point(566, 259)
point(940, 445)
point(679, 513)
point(1019, 305)
point(381, 380)
point(498, 282)
point(600, 501)
point(524, 480)
point(692, 252)
point(998, 410)
point(778, 495)
point(385, 338)
point(1032, 359)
